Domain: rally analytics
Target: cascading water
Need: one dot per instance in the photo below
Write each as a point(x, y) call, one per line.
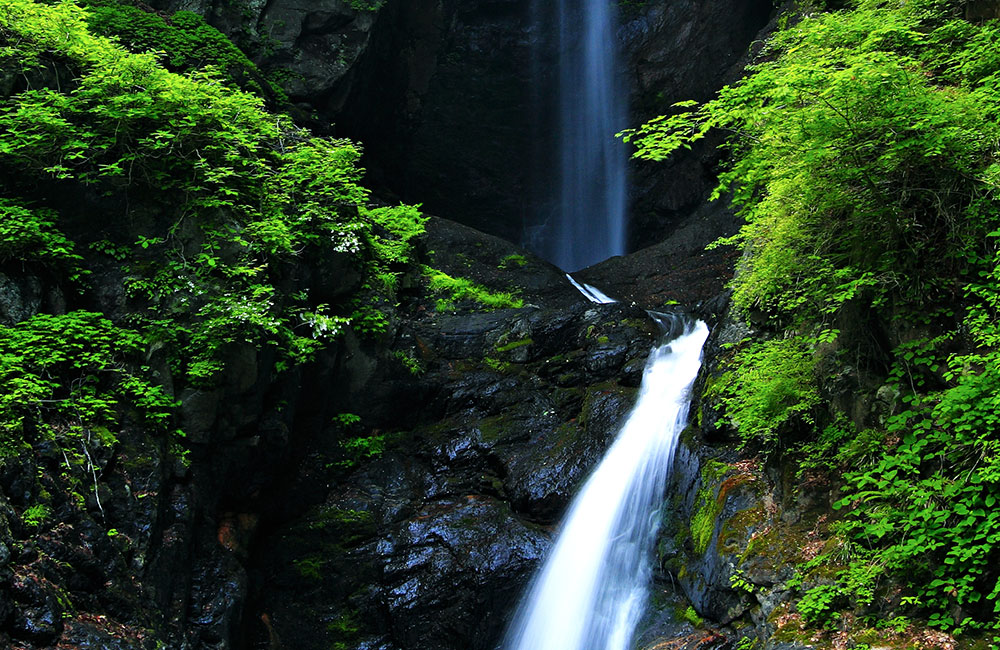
point(588, 220)
point(590, 292)
point(592, 589)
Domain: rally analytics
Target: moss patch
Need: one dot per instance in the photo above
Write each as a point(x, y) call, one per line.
point(708, 504)
point(455, 289)
point(495, 428)
point(513, 345)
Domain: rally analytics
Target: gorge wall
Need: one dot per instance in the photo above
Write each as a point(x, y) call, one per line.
point(475, 426)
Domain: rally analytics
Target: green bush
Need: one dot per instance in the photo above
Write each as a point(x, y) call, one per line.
point(852, 164)
point(768, 388)
point(243, 193)
point(186, 42)
point(69, 379)
point(30, 235)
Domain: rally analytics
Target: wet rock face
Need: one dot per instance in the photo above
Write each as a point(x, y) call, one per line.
point(432, 542)
point(445, 110)
point(428, 542)
point(731, 539)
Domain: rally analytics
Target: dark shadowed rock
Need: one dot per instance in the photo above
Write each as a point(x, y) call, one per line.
point(427, 541)
point(677, 270)
point(20, 297)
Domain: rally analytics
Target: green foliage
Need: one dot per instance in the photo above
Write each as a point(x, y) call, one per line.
point(863, 158)
point(936, 527)
point(34, 515)
point(361, 448)
point(455, 289)
point(366, 5)
point(394, 228)
point(345, 629)
point(310, 567)
point(186, 42)
point(768, 387)
point(840, 445)
point(356, 443)
point(852, 164)
point(852, 586)
point(739, 581)
point(346, 420)
point(389, 237)
point(70, 380)
point(331, 517)
point(409, 361)
point(246, 193)
point(497, 365)
point(691, 616)
point(30, 235)
point(817, 604)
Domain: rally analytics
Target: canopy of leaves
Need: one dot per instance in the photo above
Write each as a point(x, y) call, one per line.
point(238, 194)
point(186, 42)
point(861, 152)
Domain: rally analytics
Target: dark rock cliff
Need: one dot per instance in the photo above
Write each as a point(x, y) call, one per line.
point(452, 98)
point(428, 543)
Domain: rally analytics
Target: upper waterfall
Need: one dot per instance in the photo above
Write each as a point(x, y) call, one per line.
point(586, 220)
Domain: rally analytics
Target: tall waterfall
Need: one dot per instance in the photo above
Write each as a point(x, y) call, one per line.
point(587, 220)
point(592, 589)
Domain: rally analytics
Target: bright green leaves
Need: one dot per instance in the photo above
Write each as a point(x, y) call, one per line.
point(394, 227)
point(30, 235)
point(936, 529)
point(388, 232)
point(927, 506)
point(68, 379)
point(851, 164)
point(185, 41)
point(855, 585)
point(768, 389)
point(240, 195)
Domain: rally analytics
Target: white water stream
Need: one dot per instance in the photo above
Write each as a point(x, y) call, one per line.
point(591, 591)
point(592, 293)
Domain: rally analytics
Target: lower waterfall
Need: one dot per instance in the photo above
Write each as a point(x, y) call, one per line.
point(591, 591)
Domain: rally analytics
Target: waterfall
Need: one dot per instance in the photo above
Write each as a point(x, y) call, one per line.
point(590, 292)
point(586, 223)
point(591, 591)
